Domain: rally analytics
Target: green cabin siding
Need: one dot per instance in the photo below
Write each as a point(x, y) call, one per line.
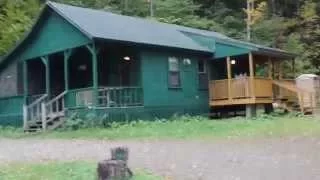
point(54, 34)
point(159, 98)
point(11, 111)
point(9, 80)
point(160, 101)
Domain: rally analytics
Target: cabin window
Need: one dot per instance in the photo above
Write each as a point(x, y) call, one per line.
point(174, 72)
point(203, 75)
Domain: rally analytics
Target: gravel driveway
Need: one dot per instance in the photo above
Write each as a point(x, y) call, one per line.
point(271, 159)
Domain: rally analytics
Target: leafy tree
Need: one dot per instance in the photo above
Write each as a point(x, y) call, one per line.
point(15, 19)
point(310, 35)
point(289, 24)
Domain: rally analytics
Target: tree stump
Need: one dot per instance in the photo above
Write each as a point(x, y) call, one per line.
point(116, 168)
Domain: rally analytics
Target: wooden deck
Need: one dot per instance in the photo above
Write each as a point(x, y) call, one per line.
point(241, 91)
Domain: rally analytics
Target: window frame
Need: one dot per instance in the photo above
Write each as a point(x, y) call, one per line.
point(204, 73)
point(177, 72)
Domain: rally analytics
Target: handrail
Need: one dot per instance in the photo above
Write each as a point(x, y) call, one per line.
point(305, 99)
point(280, 84)
point(118, 87)
point(80, 89)
point(37, 101)
point(57, 97)
point(52, 109)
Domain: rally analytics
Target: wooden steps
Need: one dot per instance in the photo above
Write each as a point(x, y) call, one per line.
point(44, 114)
point(53, 122)
point(292, 99)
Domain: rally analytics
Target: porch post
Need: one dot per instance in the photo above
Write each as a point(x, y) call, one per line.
point(229, 78)
point(93, 51)
point(294, 67)
point(280, 71)
point(269, 68)
point(251, 68)
point(251, 108)
point(45, 60)
point(25, 81)
point(67, 55)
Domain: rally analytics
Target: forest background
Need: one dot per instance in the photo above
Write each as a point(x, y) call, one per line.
point(293, 25)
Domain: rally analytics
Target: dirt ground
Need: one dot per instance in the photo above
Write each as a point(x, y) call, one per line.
point(268, 159)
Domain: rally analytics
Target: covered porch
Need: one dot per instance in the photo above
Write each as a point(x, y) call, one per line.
point(247, 79)
point(100, 75)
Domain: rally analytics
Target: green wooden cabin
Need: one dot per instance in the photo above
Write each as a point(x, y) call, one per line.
point(83, 60)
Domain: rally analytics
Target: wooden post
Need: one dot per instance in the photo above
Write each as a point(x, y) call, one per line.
point(229, 72)
point(45, 61)
point(93, 51)
point(294, 68)
point(280, 71)
point(67, 55)
point(251, 68)
point(43, 117)
point(251, 110)
point(25, 117)
point(270, 68)
point(25, 81)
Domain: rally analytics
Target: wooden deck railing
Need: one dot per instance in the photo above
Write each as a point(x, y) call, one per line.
point(263, 88)
point(219, 89)
point(240, 88)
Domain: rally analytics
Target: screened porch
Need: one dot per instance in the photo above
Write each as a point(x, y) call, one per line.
point(103, 76)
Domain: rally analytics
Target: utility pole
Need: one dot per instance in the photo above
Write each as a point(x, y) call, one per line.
point(250, 9)
point(151, 7)
point(126, 6)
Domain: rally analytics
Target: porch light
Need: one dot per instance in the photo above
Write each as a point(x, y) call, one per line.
point(233, 62)
point(126, 58)
point(186, 61)
point(82, 67)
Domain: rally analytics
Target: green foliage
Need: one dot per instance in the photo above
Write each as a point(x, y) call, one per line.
point(291, 25)
point(15, 19)
point(310, 35)
point(11, 132)
point(185, 127)
point(78, 170)
point(90, 120)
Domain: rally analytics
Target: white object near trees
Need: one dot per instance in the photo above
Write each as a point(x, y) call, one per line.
point(309, 84)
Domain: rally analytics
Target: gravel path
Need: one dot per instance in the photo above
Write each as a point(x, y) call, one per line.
point(272, 159)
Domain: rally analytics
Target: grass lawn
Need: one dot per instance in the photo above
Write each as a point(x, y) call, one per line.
point(59, 171)
point(189, 128)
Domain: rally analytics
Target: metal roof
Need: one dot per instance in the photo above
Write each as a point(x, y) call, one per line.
point(110, 26)
point(106, 25)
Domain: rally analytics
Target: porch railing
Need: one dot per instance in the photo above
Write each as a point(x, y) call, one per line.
point(240, 88)
point(120, 96)
point(33, 98)
point(32, 112)
point(287, 89)
point(56, 105)
point(107, 97)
